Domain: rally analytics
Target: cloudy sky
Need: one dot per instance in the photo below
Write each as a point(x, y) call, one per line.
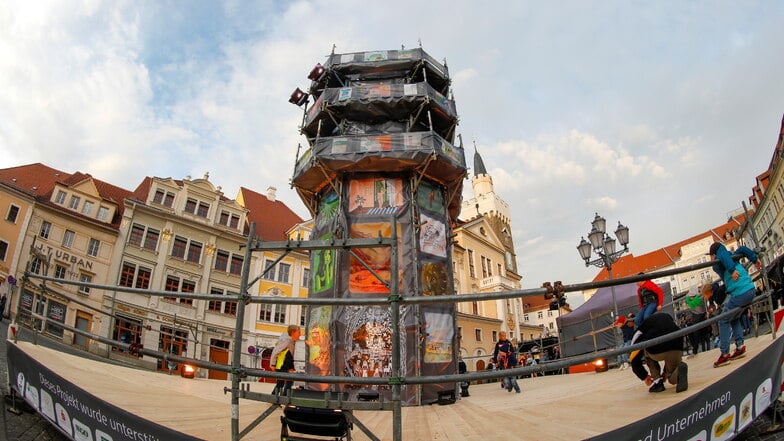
point(656, 114)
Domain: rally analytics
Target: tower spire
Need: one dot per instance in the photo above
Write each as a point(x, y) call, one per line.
point(479, 165)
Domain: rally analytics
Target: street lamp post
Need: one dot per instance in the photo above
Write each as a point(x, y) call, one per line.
point(604, 247)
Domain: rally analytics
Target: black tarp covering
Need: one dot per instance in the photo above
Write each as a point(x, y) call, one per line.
point(400, 62)
point(578, 329)
point(388, 152)
point(378, 103)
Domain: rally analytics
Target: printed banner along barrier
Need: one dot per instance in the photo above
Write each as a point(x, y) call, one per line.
point(720, 411)
point(79, 414)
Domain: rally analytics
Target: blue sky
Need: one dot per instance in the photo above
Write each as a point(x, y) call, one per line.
point(656, 114)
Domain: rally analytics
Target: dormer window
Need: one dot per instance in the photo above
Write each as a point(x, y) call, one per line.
point(165, 198)
point(87, 209)
point(103, 213)
point(74, 204)
point(60, 199)
point(198, 208)
point(229, 219)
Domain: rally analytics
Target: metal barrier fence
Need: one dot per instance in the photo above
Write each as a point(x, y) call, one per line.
point(394, 301)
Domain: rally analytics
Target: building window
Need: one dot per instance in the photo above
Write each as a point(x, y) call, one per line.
point(68, 238)
point(203, 210)
point(158, 197)
point(194, 252)
point(236, 265)
point(164, 198)
point(128, 331)
point(303, 316)
point(495, 335)
point(131, 278)
point(180, 244)
point(87, 208)
point(13, 213)
point(188, 286)
point(93, 247)
point(55, 313)
point(230, 308)
point(221, 260)
point(35, 265)
point(3, 249)
point(484, 266)
point(103, 213)
point(272, 313)
point(46, 228)
point(306, 278)
point(86, 278)
point(478, 334)
point(190, 206)
point(151, 239)
point(174, 284)
point(60, 271)
point(136, 235)
point(471, 269)
point(143, 278)
point(269, 270)
point(475, 308)
point(74, 204)
point(197, 207)
point(60, 199)
point(229, 219)
point(283, 272)
point(146, 238)
point(525, 317)
point(540, 315)
point(215, 305)
point(225, 307)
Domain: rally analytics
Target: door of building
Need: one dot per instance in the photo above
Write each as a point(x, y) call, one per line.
point(82, 323)
point(219, 353)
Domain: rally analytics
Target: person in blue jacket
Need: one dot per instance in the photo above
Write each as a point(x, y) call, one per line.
point(740, 293)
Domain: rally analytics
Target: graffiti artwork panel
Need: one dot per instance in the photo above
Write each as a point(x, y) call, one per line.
point(361, 279)
point(430, 198)
point(434, 278)
point(320, 342)
point(375, 196)
point(439, 334)
point(327, 212)
point(324, 267)
point(432, 235)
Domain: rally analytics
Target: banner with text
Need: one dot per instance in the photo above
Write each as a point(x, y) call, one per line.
point(82, 416)
point(720, 411)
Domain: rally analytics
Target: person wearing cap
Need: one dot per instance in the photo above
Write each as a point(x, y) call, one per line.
point(670, 352)
point(740, 293)
point(651, 299)
point(626, 323)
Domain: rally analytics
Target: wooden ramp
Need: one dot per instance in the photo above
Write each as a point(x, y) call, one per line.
point(607, 405)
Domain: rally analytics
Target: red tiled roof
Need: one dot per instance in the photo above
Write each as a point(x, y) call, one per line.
point(34, 179)
point(39, 180)
point(273, 218)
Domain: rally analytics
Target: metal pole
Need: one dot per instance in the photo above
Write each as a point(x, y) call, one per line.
point(397, 411)
point(237, 355)
point(608, 264)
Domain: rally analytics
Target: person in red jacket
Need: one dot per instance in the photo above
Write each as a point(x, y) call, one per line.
point(650, 298)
